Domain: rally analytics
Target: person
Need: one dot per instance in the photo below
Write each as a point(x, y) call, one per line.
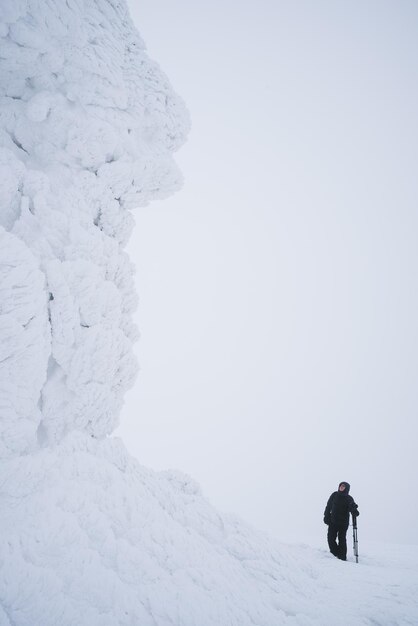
point(337, 516)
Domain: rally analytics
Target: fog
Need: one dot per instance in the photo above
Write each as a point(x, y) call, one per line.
point(278, 289)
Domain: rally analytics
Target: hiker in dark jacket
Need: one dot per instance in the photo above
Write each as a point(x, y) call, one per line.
point(337, 516)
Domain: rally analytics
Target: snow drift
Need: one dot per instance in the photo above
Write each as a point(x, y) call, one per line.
point(88, 126)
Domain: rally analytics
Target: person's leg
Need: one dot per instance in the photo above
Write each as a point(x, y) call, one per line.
point(342, 544)
point(332, 536)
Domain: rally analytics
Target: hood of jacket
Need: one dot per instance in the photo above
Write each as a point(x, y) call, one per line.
point(346, 490)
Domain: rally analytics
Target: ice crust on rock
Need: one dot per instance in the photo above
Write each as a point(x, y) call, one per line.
point(88, 125)
point(24, 346)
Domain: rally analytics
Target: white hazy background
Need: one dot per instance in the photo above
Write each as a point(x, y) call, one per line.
point(278, 289)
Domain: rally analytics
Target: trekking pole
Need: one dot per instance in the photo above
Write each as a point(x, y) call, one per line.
point(355, 540)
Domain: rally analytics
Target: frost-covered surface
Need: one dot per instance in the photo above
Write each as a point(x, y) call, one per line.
point(88, 537)
point(93, 538)
point(88, 125)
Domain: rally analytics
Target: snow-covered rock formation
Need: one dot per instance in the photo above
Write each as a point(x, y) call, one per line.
point(88, 537)
point(88, 125)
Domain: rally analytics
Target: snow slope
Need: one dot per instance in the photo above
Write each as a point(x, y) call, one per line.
point(89, 537)
point(88, 126)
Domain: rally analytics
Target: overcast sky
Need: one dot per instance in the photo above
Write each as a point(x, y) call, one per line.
point(278, 289)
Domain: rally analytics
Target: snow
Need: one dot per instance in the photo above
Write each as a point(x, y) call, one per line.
point(88, 127)
point(89, 536)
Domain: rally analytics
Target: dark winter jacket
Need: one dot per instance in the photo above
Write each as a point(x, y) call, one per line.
point(339, 506)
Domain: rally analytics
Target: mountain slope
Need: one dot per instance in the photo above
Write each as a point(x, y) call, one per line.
point(88, 536)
